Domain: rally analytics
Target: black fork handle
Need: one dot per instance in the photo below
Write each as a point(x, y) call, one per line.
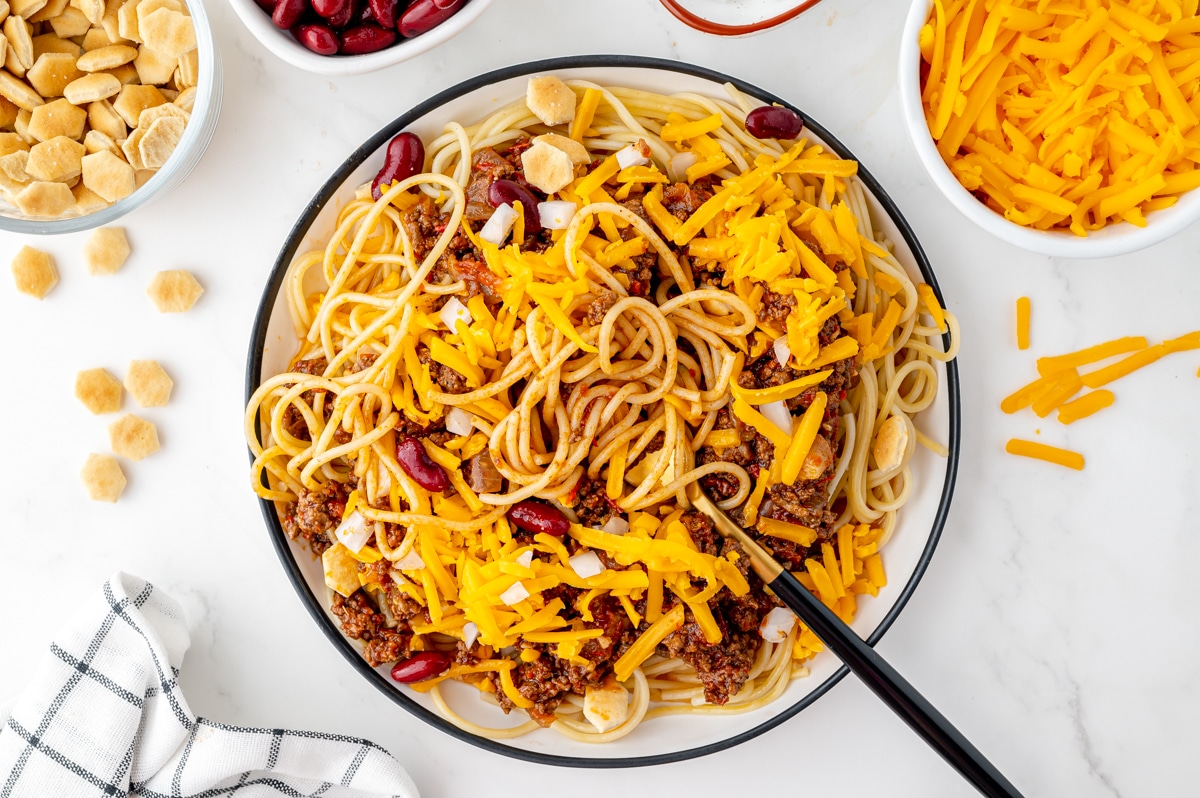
point(895, 691)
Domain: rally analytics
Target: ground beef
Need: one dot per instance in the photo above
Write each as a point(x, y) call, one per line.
point(776, 307)
point(487, 166)
point(682, 200)
point(609, 615)
point(294, 423)
point(803, 503)
point(423, 224)
point(641, 275)
point(547, 679)
point(713, 277)
point(722, 667)
point(765, 372)
point(702, 532)
point(753, 453)
point(474, 272)
point(293, 419)
point(592, 504)
point(403, 606)
point(634, 204)
point(362, 362)
point(316, 365)
point(361, 621)
point(462, 260)
point(447, 378)
point(315, 514)
point(747, 612)
point(600, 306)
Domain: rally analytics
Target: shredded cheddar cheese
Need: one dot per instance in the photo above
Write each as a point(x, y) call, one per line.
point(1040, 451)
point(1070, 115)
point(1060, 381)
point(1084, 406)
point(1023, 323)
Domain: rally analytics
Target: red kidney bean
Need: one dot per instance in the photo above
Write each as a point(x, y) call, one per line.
point(421, 666)
point(405, 157)
point(266, 5)
point(288, 12)
point(535, 516)
point(384, 12)
point(365, 39)
point(417, 463)
point(506, 192)
point(330, 8)
point(347, 15)
point(424, 15)
point(319, 38)
point(773, 122)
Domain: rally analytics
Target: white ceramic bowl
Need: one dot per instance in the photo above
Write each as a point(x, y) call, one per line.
point(196, 136)
point(1113, 239)
point(284, 45)
point(663, 739)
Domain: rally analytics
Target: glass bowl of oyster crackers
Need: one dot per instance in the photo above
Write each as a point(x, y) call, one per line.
point(103, 105)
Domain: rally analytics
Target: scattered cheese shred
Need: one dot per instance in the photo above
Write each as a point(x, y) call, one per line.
point(1050, 365)
point(1040, 451)
point(1023, 323)
point(1084, 406)
point(1123, 367)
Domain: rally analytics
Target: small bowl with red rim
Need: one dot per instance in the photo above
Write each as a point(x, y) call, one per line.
point(353, 37)
point(741, 18)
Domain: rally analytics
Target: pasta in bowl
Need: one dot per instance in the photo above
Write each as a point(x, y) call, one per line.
point(497, 371)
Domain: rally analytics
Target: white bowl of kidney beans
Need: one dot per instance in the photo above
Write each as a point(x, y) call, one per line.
point(351, 37)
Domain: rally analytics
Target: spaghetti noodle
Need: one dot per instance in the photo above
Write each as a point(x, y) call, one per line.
point(721, 311)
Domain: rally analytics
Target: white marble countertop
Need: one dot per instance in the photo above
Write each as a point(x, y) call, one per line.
point(1054, 625)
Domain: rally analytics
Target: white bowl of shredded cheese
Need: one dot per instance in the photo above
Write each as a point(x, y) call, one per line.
point(1165, 215)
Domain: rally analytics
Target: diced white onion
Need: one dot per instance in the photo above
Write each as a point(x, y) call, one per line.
point(458, 421)
point(353, 532)
point(615, 526)
point(452, 311)
point(679, 164)
point(586, 564)
point(556, 215)
point(778, 414)
point(782, 351)
point(514, 595)
point(525, 559)
point(499, 225)
point(777, 624)
point(470, 633)
point(630, 156)
point(411, 561)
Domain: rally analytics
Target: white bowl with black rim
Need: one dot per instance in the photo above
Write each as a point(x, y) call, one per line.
point(664, 739)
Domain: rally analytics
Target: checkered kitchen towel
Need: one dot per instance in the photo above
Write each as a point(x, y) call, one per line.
point(105, 716)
